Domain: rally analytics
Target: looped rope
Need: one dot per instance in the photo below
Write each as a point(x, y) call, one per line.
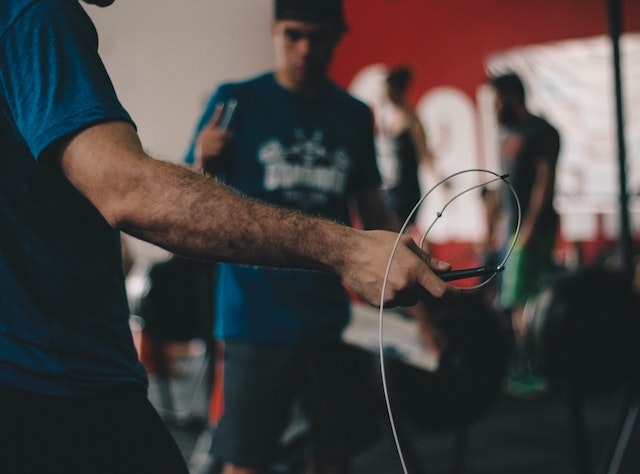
point(496, 177)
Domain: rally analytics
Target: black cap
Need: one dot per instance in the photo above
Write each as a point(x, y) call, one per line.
point(324, 11)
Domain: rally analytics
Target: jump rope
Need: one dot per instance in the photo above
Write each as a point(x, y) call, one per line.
point(490, 272)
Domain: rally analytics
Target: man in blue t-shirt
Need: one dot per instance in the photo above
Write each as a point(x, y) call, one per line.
point(72, 175)
point(293, 138)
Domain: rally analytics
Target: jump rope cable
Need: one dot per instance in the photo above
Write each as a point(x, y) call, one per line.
point(439, 214)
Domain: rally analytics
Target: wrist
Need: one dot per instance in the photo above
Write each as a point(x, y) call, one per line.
point(335, 246)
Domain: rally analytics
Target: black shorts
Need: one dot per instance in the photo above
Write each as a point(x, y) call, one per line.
point(261, 384)
point(115, 433)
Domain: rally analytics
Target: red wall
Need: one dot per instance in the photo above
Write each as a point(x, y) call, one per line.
point(446, 41)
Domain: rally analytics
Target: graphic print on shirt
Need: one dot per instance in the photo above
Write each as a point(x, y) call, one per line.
point(307, 172)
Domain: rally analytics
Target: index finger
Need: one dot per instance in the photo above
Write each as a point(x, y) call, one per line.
point(429, 278)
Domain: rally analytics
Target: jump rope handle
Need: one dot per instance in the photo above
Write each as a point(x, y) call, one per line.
point(486, 270)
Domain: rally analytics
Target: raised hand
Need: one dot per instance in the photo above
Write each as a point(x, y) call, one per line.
point(213, 142)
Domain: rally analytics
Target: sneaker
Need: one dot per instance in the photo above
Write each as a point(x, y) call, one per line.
point(526, 385)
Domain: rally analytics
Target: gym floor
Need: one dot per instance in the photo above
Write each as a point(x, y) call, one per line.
point(515, 436)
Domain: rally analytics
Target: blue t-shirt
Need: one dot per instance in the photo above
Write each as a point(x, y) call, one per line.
point(309, 154)
point(63, 308)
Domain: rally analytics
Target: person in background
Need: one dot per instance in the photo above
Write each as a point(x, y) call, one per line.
point(529, 152)
point(402, 145)
point(297, 140)
point(73, 174)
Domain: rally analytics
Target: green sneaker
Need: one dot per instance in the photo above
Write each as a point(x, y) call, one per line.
point(526, 385)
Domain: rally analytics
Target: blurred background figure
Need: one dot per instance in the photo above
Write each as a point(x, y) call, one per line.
point(529, 148)
point(401, 144)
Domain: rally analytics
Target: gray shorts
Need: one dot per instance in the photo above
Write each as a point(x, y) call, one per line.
point(263, 382)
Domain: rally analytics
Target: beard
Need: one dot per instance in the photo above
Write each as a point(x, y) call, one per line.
point(507, 116)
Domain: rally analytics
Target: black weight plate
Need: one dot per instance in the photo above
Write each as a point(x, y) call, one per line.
point(470, 374)
point(585, 330)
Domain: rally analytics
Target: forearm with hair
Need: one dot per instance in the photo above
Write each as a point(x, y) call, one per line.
point(185, 212)
point(202, 218)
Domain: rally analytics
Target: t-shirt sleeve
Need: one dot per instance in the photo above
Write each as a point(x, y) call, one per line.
point(52, 77)
point(551, 145)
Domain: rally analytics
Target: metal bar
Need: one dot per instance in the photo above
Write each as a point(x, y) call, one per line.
point(614, 9)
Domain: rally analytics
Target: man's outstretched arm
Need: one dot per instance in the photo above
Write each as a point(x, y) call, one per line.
point(189, 214)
